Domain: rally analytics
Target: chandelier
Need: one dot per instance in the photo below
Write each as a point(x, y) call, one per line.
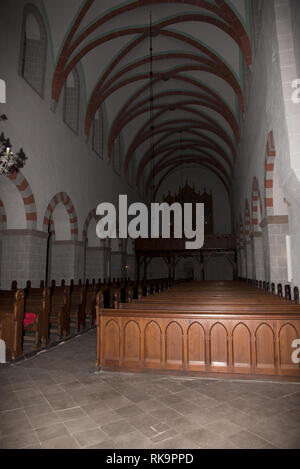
point(8, 160)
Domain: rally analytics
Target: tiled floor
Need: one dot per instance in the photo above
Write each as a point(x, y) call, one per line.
point(56, 400)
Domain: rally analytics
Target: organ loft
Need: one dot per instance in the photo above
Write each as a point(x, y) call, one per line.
point(134, 342)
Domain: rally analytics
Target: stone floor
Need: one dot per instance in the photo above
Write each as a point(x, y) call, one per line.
point(55, 400)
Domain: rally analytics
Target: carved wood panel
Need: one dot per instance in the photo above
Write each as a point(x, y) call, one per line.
point(112, 342)
point(196, 345)
point(132, 342)
point(174, 345)
point(235, 345)
point(153, 343)
point(265, 351)
point(219, 345)
point(241, 347)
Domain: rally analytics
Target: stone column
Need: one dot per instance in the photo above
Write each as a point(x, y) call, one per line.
point(117, 259)
point(23, 257)
point(249, 260)
point(242, 259)
point(67, 261)
point(95, 263)
point(275, 230)
point(131, 260)
point(258, 257)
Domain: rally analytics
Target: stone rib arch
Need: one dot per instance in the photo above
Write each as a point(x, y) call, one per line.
point(223, 11)
point(178, 164)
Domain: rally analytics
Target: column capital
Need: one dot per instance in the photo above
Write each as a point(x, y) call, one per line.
point(275, 220)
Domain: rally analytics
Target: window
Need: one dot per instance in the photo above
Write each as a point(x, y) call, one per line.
point(71, 101)
point(33, 49)
point(98, 134)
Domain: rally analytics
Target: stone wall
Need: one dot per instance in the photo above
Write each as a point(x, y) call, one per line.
point(270, 112)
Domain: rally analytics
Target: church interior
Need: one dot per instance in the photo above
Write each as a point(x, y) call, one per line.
point(124, 343)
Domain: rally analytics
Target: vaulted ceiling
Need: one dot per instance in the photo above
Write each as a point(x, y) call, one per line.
point(189, 108)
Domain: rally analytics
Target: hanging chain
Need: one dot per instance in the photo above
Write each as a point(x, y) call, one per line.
point(152, 111)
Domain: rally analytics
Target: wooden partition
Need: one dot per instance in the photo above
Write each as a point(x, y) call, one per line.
point(11, 321)
point(193, 343)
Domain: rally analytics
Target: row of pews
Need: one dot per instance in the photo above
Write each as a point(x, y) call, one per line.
point(285, 292)
point(48, 314)
point(211, 328)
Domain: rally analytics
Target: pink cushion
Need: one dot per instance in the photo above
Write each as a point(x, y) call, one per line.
point(29, 319)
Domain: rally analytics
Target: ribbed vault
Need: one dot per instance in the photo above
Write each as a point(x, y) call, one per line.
point(200, 50)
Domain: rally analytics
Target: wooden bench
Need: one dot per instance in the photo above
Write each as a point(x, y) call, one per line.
point(126, 293)
point(77, 305)
point(90, 308)
point(60, 311)
point(228, 338)
point(11, 321)
point(37, 313)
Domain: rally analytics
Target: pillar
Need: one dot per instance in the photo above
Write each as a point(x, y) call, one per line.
point(258, 257)
point(275, 230)
point(23, 257)
point(67, 261)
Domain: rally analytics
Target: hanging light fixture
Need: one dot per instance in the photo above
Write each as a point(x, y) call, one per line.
point(8, 160)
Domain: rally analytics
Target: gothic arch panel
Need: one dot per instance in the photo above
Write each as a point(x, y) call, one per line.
point(112, 341)
point(265, 353)
point(241, 343)
point(174, 345)
point(153, 343)
point(132, 342)
point(219, 345)
point(196, 345)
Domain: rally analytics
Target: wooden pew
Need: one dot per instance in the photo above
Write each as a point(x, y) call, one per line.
point(77, 305)
point(126, 293)
point(11, 321)
point(60, 310)
point(37, 312)
point(114, 296)
point(90, 308)
point(137, 290)
point(235, 338)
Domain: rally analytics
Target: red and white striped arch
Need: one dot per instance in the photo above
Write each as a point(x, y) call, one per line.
point(241, 233)
point(21, 183)
point(247, 222)
point(257, 211)
point(63, 198)
point(269, 175)
point(3, 219)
